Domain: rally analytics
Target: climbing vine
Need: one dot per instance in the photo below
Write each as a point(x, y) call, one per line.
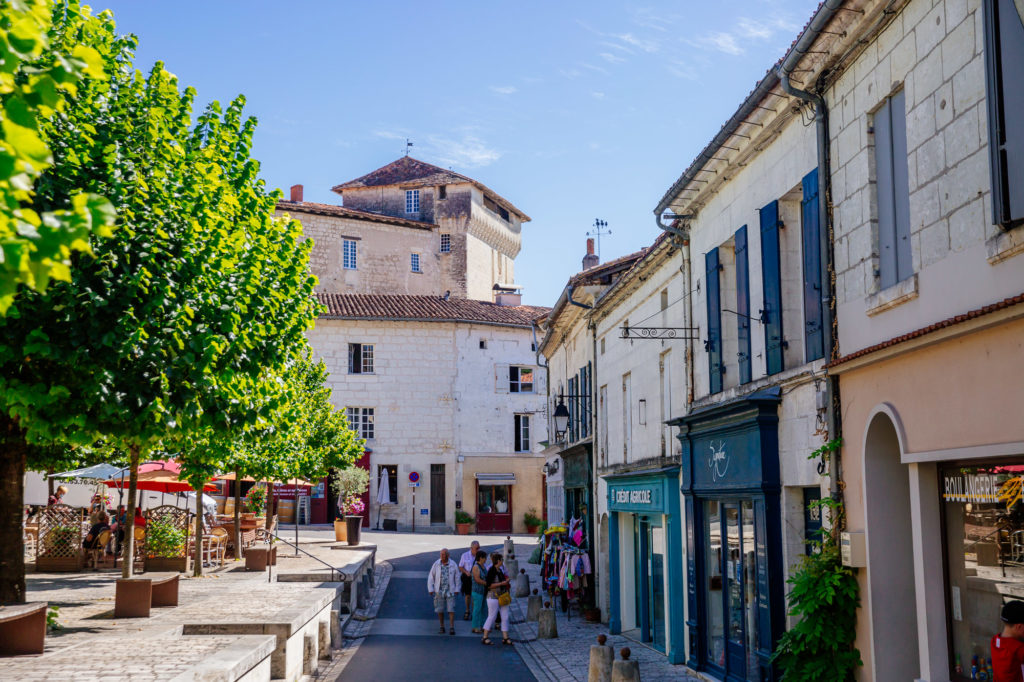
point(824, 597)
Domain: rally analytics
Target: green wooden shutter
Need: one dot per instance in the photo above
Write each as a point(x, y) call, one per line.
point(814, 338)
point(771, 279)
point(713, 344)
point(743, 304)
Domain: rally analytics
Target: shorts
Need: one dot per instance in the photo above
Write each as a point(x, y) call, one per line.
point(444, 604)
point(467, 585)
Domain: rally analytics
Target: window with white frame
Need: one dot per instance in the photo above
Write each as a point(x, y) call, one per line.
point(446, 243)
point(360, 420)
point(412, 201)
point(348, 254)
point(522, 435)
point(415, 262)
point(520, 379)
point(360, 358)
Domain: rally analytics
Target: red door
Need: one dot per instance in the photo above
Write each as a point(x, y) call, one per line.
point(493, 508)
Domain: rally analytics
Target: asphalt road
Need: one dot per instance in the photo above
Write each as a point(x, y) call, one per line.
point(403, 643)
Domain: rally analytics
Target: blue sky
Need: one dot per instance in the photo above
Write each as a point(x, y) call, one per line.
point(571, 110)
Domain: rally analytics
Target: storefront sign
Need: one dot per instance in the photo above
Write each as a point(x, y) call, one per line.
point(633, 496)
point(974, 488)
point(643, 493)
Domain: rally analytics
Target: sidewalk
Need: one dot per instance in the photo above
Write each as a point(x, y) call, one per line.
point(568, 657)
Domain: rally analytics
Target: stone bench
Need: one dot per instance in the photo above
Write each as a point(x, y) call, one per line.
point(22, 629)
point(134, 597)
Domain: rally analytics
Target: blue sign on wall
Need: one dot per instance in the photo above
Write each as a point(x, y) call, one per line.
point(642, 493)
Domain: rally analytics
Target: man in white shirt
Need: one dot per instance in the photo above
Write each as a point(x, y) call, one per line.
point(465, 567)
point(443, 585)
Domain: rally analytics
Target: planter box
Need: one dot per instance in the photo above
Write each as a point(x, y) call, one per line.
point(169, 564)
point(463, 528)
point(354, 527)
point(58, 564)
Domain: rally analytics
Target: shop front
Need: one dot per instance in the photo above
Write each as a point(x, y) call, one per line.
point(494, 502)
point(645, 567)
point(734, 572)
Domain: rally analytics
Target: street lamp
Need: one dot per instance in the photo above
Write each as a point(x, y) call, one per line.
point(561, 420)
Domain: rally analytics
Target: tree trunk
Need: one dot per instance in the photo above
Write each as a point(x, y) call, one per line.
point(197, 559)
point(129, 513)
point(12, 495)
point(49, 483)
point(238, 516)
point(270, 505)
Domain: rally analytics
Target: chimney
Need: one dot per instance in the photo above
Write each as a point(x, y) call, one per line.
point(297, 193)
point(591, 259)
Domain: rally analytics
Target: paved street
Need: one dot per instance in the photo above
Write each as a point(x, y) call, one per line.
point(403, 643)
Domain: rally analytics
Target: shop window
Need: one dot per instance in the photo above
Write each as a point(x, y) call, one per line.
point(492, 499)
point(984, 522)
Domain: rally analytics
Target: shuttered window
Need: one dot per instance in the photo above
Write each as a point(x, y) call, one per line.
point(1004, 47)
point(810, 223)
point(890, 125)
point(743, 304)
point(714, 340)
point(771, 279)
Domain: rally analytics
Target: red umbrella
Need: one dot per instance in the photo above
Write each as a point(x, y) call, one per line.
point(161, 481)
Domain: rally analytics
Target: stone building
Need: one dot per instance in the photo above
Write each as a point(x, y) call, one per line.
point(411, 227)
point(445, 388)
point(428, 347)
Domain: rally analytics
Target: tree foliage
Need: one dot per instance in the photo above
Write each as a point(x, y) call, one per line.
point(36, 78)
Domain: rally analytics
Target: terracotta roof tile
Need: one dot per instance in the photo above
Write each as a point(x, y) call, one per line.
point(425, 308)
point(342, 212)
point(924, 331)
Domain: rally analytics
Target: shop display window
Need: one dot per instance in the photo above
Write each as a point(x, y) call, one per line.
point(983, 518)
point(713, 571)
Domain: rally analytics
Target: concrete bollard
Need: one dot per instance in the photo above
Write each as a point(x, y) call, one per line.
point(508, 548)
point(522, 584)
point(323, 645)
point(601, 659)
point(625, 670)
point(533, 605)
point(336, 640)
point(512, 566)
point(547, 627)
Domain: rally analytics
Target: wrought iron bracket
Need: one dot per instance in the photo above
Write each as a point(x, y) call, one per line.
point(662, 333)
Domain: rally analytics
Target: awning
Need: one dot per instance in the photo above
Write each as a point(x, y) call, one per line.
point(496, 479)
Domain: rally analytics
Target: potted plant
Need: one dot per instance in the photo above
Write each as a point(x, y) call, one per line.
point(347, 484)
point(532, 521)
point(462, 521)
point(255, 501)
point(353, 509)
point(165, 547)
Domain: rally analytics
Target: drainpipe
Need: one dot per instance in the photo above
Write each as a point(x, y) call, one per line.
point(821, 18)
point(576, 303)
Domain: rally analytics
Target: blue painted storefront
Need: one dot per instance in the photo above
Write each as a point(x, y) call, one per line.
point(730, 481)
point(650, 499)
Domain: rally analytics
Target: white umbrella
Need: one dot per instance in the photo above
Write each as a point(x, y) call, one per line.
point(383, 493)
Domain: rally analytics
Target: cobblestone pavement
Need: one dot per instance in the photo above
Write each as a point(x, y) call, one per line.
point(568, 657)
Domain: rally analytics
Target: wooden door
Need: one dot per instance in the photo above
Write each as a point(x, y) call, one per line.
point(437, 500)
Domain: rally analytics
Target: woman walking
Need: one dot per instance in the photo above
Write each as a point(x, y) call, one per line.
point(478, 576)
point(498, 599)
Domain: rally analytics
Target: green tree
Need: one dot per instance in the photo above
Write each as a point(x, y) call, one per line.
point(36, 77)
point(177, 325)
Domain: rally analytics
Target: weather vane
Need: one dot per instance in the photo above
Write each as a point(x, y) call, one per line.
point(408, 144)
point(598, 230)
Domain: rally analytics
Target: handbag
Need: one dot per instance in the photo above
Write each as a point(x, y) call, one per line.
point(505, 598)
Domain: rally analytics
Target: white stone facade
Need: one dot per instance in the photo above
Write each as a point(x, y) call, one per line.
point(439, 398)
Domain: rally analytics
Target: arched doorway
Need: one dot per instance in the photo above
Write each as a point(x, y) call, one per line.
point(891, 591)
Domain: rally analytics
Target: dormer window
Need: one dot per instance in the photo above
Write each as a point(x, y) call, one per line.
point(412, 201)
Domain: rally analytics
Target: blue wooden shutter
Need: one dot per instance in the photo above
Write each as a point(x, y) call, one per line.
point(814, 338)
point(901, 185)
point(1004, 47)
point(884, 196)
point(771, 279)
point(714, 340)
point(743, 304)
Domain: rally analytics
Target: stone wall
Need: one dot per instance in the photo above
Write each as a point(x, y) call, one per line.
point(436, 399)
point(961, 261)
point(383, 261)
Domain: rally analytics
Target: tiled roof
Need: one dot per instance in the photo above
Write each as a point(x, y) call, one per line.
point(410, 172)
point(342, 212)
point(595, 274)
point(425, 309)
point(949, 322)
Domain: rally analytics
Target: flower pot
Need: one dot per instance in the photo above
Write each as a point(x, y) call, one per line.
point(463, 528)
point(340, 530)
point(531, 529)
point(354, 525)
point(592, 615)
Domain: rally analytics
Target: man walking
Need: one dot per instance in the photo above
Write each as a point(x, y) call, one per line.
point(465, 567)
point(443, 585)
